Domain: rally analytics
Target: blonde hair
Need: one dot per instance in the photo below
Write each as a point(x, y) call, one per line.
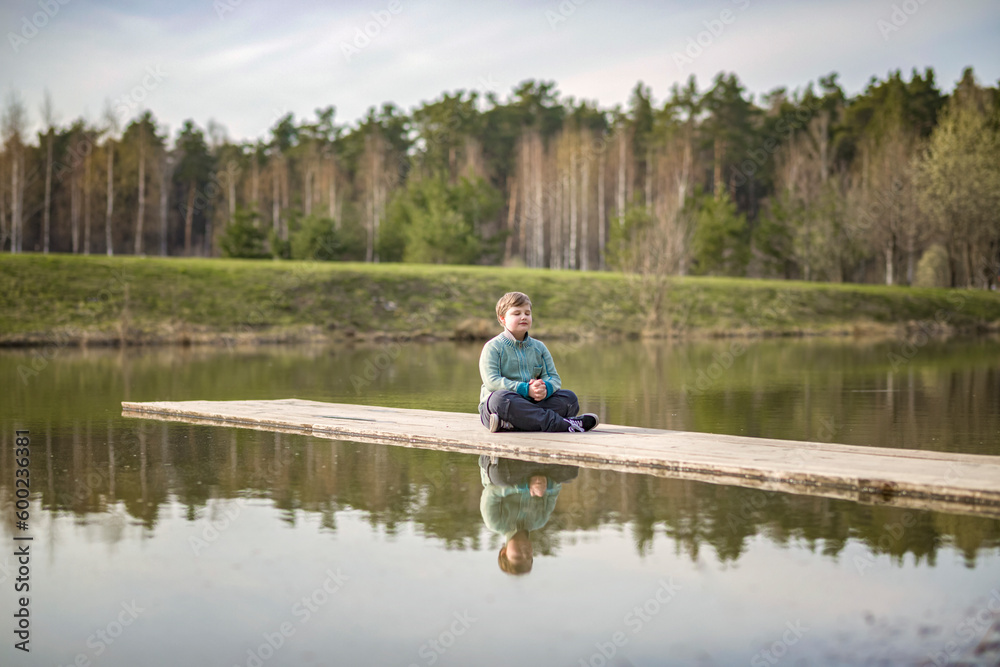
point(522, 567)
point(510, 300)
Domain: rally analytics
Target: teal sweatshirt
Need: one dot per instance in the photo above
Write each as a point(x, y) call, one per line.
point(508, 509)
point(507, 363)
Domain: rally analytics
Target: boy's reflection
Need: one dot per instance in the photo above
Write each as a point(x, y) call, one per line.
point(518, 497)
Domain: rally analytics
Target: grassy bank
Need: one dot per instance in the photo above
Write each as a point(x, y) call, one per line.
point(110, 300)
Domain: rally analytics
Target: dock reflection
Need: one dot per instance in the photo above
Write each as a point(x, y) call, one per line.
point(127, 472)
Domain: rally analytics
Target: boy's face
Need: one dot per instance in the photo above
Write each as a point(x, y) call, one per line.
point(517, 320)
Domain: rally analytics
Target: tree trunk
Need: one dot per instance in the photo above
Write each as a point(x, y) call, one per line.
point(232, 173)
point(558, 257)
point(86, 203)
point(585, 216)
point(522, 247)
point(47, 213)
point(649, 179)
point(20, 201)
point(601, 239)
point(308, 195)
point(141, 216)
point(3, 209)
point(511, 213)
point(109, 248)
point(15, 212)
point(910, 258)
point(890, 260)
point(189, 220)
point(720, 152)
point(255, 184)
point(969, 274)
point(74, 210)
point(164, 211)
point(209, 239)
point(333, 195)
point(275, 199)
point(539, 203)
point(573, 209)
point(621, 175)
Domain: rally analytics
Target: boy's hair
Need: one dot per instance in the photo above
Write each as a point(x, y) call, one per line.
point(510, 300)
point(521, 567)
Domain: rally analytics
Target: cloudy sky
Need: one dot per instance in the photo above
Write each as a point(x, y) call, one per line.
point(245, 63)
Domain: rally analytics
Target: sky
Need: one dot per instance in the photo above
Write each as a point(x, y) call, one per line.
point(246, 63)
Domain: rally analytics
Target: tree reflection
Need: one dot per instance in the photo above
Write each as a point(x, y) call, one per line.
point(99, 469)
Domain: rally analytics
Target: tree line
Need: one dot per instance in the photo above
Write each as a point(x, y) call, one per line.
point(897, 184)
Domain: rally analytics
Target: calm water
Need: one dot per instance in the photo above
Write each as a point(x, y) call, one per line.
point(172, 544)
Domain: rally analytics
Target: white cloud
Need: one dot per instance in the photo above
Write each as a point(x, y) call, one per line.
point(262, 58)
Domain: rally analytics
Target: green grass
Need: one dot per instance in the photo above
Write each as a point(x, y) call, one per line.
point(104, 299)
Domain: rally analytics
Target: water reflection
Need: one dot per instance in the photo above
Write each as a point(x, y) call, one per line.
point(218, 533)
point(519, 497)
point(945, 398)
point(95, 469)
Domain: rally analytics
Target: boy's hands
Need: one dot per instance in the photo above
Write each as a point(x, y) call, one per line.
point(537, 390)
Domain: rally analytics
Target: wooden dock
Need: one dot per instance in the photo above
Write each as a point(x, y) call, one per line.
point(940, 481)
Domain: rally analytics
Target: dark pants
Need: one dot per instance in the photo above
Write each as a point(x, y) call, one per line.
point(527, 415)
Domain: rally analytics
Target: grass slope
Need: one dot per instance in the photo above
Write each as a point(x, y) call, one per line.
point(103, 299)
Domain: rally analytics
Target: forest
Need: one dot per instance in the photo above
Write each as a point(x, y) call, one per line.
point(899, 184)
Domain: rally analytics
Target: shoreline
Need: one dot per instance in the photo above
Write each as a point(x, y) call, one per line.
point(99, 301)
point(863, 331)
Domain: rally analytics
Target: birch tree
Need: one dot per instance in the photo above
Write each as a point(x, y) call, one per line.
point(15, 119)
point(111, 128)
point(49, 119)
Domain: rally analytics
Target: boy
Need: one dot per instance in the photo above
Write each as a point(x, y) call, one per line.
point(521, 389)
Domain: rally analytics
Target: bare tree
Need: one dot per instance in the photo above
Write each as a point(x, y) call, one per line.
point(573, 198)
point(87, 187)
point(601, 211)
point(111, 128)
point(141, 213)
point(4, 233)
point(379, 175)
point(167, 164)
point(48, 117)
point(15, 119)
point(75, 195)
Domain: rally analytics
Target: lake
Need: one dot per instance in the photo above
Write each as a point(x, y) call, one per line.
point(165, 543)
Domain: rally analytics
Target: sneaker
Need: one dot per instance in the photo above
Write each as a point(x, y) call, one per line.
point(584, 422)
point(497, 424)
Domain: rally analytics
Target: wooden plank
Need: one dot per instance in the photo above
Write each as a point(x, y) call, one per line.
point(911, 478)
